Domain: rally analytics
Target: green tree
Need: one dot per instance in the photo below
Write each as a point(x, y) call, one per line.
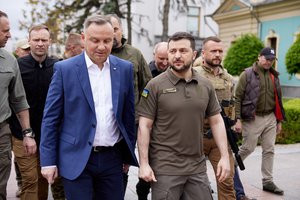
point(242, 53)
point(40, 9)
point(292, 58)
point(71, 13)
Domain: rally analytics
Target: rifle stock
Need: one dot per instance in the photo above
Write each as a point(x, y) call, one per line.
point(232, 138)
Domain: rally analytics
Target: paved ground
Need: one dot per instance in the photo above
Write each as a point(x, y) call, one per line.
point(286, 176)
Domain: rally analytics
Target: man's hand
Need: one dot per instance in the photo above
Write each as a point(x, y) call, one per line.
point(125, 168)
point(50, 173)
point(278, 128)
point(29, 146)
point(146, 173)
point(238, 126)
point(223, 169)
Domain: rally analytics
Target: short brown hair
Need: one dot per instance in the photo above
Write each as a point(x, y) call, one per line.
point(38, 27)
point(3, 14)
point(211, 38)
point(73, 39)
point(183, 35)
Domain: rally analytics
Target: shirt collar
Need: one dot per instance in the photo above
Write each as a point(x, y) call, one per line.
point(174, 79)
point(210, 70)
point(90, 63)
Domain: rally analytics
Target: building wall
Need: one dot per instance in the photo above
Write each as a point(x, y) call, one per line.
point(280, 20)
point(231, 30)
point(151, 22)
point(285, 29)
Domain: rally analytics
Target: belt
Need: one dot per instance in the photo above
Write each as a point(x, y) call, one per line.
point(2, 124)
point(98, 149)
point(263, 113)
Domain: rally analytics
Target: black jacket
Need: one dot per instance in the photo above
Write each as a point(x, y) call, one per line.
point(36, 80)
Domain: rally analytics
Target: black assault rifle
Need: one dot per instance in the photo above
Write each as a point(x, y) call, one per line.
point(231, 134)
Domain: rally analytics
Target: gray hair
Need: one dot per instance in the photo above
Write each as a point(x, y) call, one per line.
point(95, 19)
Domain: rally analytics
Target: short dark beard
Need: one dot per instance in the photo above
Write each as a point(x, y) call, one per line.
point(115, 44)
point(211, 64)
point(183, 69)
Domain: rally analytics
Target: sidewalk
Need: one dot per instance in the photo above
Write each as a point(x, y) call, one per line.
point(286, 176)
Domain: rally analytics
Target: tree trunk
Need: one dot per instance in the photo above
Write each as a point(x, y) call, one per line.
point(129, 37)
point(165, 21)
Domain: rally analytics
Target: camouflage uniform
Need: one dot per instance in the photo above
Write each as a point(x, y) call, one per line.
point(142, 73)
point(223, 84)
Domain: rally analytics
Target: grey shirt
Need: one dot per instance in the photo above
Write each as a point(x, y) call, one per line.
point(11, 87)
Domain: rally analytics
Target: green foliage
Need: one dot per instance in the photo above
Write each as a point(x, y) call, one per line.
point(69, 15)
point(242, 53)
point(291, 128)
point(292, 58)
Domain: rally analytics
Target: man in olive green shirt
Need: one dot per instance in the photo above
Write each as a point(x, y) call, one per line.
point(172, 110)
point(11, 94)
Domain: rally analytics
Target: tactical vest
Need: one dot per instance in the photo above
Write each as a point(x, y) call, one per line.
point(223, 85)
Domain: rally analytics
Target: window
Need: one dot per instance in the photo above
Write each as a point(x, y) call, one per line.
point(193, 20)
point(272, 40)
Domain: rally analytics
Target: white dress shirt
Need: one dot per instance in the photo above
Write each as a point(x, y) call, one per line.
point(107, 130)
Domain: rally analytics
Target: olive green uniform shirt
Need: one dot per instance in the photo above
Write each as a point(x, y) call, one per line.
point(142, 73)
point(11, 87)
point(177, 108)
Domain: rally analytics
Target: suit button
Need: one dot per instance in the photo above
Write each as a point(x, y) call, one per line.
point(90, 143)
point(94, 125)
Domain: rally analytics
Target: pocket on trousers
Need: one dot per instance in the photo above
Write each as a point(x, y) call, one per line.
point(5, 158)
point(159, 194)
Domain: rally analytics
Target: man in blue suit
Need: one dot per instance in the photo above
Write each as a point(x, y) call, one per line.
point(88, 129)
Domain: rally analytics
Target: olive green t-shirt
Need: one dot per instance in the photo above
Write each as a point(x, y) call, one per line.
point(177, 108)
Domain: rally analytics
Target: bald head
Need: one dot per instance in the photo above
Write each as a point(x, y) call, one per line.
point(161, 56)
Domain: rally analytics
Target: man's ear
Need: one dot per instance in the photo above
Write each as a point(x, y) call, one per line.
point(82, 36)
point(195, 54)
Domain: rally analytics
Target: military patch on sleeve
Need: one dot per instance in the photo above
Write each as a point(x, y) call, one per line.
point(145, 93)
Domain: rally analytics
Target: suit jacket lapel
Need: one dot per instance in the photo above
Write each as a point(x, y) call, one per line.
point(115, 82)
point(84, 81)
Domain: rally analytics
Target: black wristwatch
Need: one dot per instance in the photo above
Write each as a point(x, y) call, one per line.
point(28, 133)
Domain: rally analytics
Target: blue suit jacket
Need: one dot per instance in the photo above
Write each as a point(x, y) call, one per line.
point(69, 122)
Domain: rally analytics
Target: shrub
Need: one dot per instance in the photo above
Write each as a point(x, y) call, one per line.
point(292, 58)
point(291, 128)
point(242, 54)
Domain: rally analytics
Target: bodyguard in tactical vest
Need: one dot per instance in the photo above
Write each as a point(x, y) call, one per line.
point(211, 68)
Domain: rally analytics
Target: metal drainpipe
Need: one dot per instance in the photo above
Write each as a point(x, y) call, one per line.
point(257, 19)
